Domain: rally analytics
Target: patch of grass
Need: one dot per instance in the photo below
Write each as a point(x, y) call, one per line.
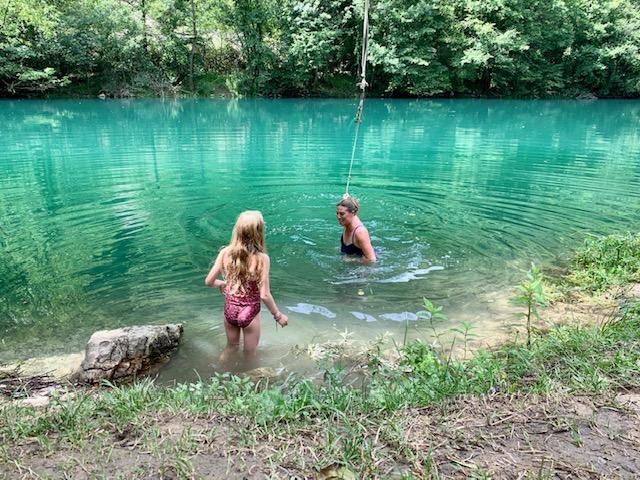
point(355, 423)
point(72, 421)
point(603, 262)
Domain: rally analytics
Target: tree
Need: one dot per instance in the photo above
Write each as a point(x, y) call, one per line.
point(28, 26)
point(180, 41)
point(605, 56)
point(252, 21)
point(415, 45)
point(319, 39)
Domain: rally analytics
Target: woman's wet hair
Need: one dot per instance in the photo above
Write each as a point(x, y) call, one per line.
point(350, 203)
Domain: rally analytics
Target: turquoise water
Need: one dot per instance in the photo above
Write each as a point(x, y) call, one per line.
point(111, 211)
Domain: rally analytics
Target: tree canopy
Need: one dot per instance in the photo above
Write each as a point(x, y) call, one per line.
point(520, 48)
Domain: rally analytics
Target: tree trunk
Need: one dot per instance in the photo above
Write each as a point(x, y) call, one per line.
point(145, 43)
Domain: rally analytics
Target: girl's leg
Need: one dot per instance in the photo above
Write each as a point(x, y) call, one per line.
point(233, 334)
point(252, 336)
point(233, 340)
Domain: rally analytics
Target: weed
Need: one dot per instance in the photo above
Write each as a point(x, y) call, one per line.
point(576, 437)
point(466, 330)
point(532, 295)
point(434, 316)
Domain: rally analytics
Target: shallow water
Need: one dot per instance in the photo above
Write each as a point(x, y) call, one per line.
point(111, 211)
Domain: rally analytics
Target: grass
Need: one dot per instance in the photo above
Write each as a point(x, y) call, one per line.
point(603, 262)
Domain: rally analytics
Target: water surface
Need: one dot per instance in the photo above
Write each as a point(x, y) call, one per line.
point(111, 211)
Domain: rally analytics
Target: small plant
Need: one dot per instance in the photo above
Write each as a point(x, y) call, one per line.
point(466, 330)
point(532, 295)
point(431, 313)
point(576, 437)
point(435, 312)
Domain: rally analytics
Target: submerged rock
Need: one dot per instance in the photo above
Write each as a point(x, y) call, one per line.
point(261, 373)
point(587, 96)
point(120, 354)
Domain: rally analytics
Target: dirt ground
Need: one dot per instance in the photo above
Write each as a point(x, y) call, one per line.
point(497, 436)
point(533, 437)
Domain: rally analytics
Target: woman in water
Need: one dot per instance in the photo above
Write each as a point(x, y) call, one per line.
point(245, 266)
point(355, 238)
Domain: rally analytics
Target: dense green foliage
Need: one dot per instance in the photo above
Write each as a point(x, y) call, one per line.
point(300, 47)
point(608, 261)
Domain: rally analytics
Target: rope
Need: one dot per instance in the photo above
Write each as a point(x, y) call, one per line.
point(363, 85)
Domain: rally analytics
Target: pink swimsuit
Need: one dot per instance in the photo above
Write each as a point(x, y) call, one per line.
point(240, 311)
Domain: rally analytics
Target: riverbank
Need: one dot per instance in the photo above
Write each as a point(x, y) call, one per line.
point(568, 405)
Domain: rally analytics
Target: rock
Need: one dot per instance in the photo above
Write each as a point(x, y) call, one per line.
point(582, 410)
point(634, 291)
point(586, 96)
point(48, 391)
point(630, 400)
point(261, 373)
point(37, 401)
point(118, 355)
point(336, 472)
point(391, 357)
point(59, 367)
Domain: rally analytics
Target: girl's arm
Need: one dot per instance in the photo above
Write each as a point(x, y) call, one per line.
point(363, 241)
point(265, 294)
point(212, 278)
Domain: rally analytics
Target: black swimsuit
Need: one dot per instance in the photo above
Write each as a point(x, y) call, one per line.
point(351, 249)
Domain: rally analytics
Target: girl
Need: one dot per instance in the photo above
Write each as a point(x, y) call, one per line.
point(245, 266)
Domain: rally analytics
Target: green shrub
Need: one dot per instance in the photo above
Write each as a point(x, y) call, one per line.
point(603, 262)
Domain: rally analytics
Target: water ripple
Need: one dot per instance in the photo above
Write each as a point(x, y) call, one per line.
point(122, 206)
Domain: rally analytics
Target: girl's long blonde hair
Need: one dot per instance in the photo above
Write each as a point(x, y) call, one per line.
point(243, 262)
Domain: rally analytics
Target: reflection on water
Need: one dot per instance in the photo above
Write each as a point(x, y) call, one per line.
point(111, 211)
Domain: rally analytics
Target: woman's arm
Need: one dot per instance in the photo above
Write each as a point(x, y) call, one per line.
point(212, 277)
point(363, 241)
point(265, 293)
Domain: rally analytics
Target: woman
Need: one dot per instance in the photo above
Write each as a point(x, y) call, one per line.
point(355, 237)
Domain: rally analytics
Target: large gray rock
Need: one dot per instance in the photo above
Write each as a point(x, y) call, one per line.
point(118, 355)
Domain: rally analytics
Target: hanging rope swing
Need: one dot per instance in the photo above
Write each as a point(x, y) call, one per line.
point(363, 85)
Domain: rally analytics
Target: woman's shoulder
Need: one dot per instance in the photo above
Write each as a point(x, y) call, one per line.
point(361, 230)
